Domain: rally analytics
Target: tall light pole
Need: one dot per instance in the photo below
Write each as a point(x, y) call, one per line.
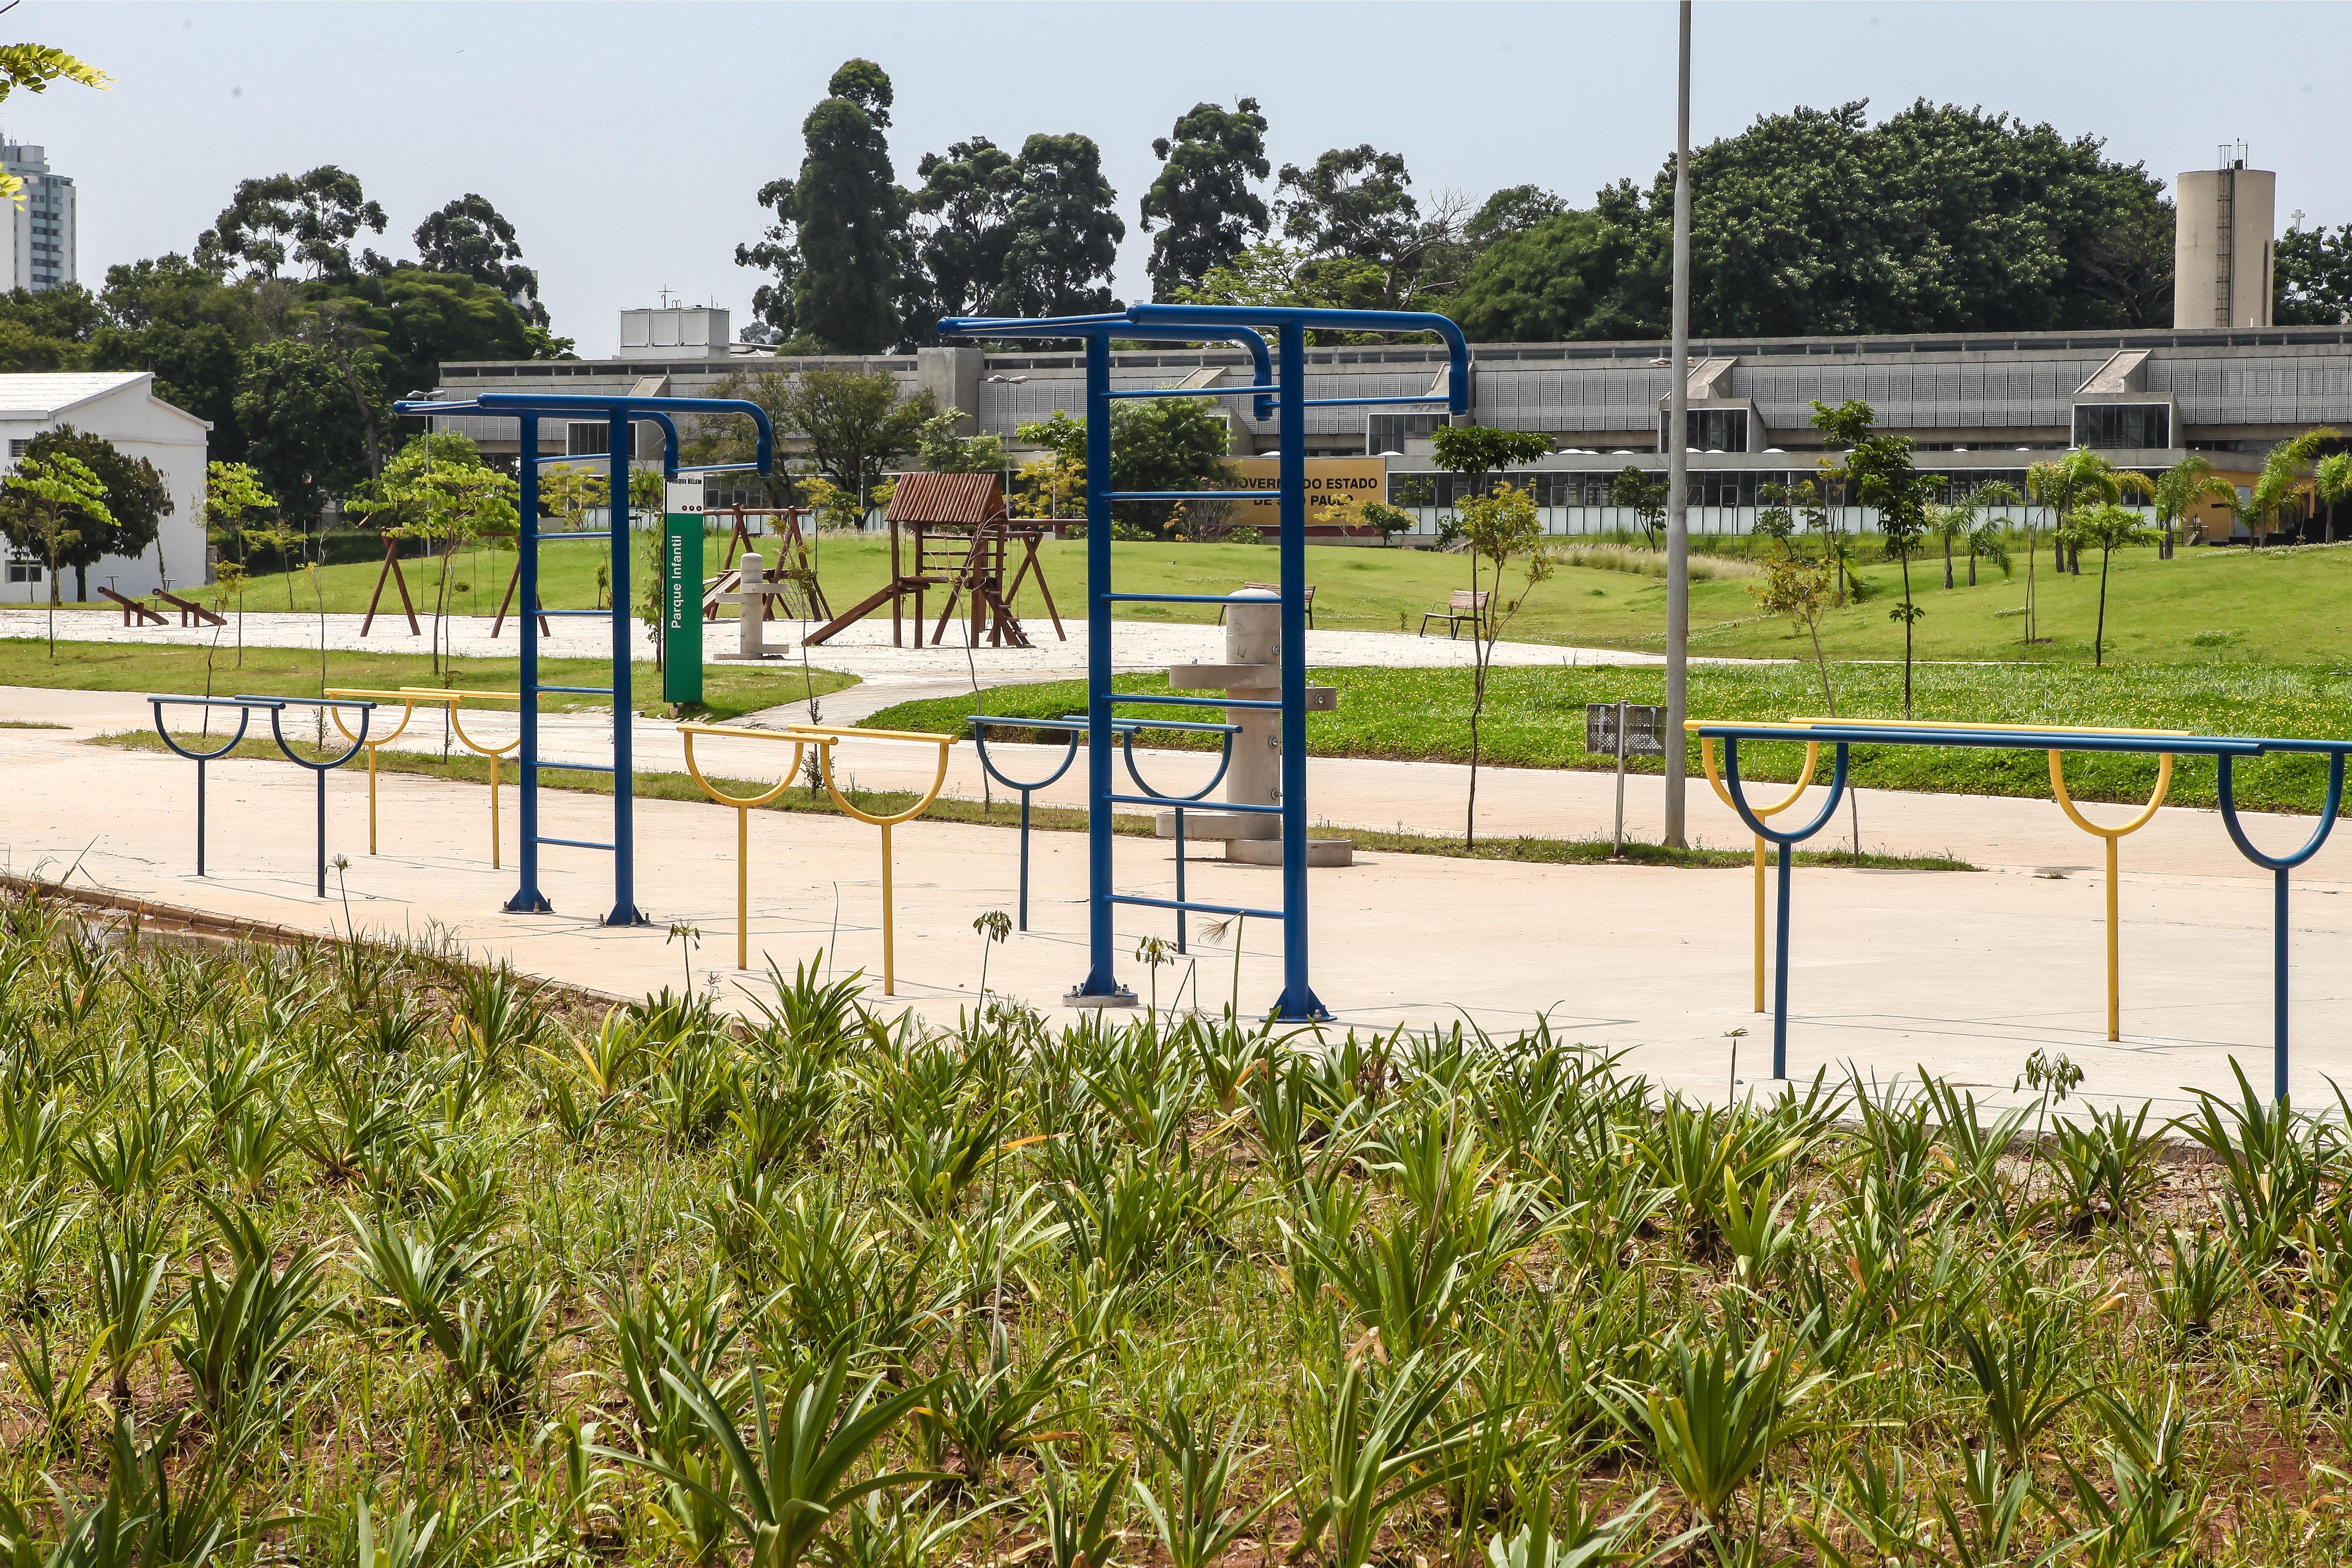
point(1677, 442)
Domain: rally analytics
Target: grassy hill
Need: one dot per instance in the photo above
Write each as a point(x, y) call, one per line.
point(2204, 605)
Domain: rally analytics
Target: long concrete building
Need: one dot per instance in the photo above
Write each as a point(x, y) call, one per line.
point(1981, 407)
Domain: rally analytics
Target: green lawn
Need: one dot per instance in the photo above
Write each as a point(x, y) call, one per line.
point(2203, 607)
point(728, 690)
point(1534, 718)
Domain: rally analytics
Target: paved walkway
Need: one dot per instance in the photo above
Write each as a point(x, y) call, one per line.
point(1965, 972)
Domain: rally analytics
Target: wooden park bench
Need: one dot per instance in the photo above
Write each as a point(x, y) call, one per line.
point(133, 608)
point(191, 613)
point(1464, 605)
point(1274, 588)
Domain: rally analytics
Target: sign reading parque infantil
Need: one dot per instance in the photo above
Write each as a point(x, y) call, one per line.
point(1337, 490)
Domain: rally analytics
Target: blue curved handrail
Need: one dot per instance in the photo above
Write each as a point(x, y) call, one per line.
point(979, 724)
point(2279, 866)
point(320, 769)
point(244, 718)
point(1756, 823)
point(1224, 762)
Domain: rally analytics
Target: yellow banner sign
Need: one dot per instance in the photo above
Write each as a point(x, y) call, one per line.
point(1337, 490)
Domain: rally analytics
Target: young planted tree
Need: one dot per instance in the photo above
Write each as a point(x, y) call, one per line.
point(2331, 481)
point(1987, 540)
point(1884, 477)
point(234, 495)
point(1842, 428)
point(1643, 495)
point(2106, 529)
point(1953, 525)
point(1502, 529)
point(1475, 452)
point(2081, 477)
point(44, 505)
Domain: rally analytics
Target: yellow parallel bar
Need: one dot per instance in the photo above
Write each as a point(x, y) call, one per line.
point(743, 805)
point(407, 711)
point(2031, 729)
point(939, 779)
point(2147, 815)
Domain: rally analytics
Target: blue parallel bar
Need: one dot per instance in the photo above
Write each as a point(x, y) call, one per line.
point(1207, 392)
point(1192, 803)
point(560, 538)
point(1861, 734)
point(1202, 908)
point(1184, 495)
point(574, 844)
point(575, 612)
point(582, 690)
point(1186, 599)
point(544, 765)
point(1077, 725)
point(1359, 402)
point(1122, 698)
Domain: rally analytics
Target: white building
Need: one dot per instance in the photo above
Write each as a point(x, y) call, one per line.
point(38, 237)
point(121, 406)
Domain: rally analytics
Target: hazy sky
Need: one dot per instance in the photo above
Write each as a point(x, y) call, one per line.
point(626, 141)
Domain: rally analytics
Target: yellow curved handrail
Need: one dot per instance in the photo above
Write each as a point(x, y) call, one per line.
point(407, 711)
point(1804, 783)
point(830, 735)
point(2112, 835)
point(455, 697)
point(744, 804)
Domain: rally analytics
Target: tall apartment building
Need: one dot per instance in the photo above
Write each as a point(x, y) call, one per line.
point(37, 238)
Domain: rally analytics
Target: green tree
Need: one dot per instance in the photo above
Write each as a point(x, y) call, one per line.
point(944, 451)
point(968, 194)
point(304, 436)
point(1062, 235)
point(46, 502)
point(839, 249)
point(1799, 590)
point(1164, 444)
point(171, 317)
point(437, 490)
point(2331, 482)
point(2283, 483)
point(137, 500)
point(2106, 527)
point(1560, 280)
point(1881, 471)
point(310, 218)
point(1202, 195)
point(2311, 269)
point(1643, 495)
point(2186, 485)
point(1369, 243)
point(1501, 527)
point(33, 67)
point(470, 238)
point(2081, 477)
point(855, 422)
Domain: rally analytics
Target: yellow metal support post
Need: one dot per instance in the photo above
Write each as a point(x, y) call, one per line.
point(457, 700)
point(407, 711)
point(2112, 835)
point(886, 823)
point(744, 804)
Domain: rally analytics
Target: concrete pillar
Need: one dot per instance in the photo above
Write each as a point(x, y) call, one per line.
point(1253, 647)
point(951, 375)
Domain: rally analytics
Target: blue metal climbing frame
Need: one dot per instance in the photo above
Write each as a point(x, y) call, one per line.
point(1278, 391)
point(619, 412)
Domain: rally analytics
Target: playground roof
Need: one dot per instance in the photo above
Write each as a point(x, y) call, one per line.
point(946, 498)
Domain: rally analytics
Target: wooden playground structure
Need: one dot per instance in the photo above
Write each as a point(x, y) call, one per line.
point(953, 531)
point(792, 569)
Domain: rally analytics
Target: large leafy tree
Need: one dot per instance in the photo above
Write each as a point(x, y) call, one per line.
point(1367, 241)
point(855, 422)
point(134, 500)
point(839, 248)
point(302, 433)
point(1202, 195)
point(1062, 235)
point(1559, 280)
point(309, 219)
point(469, 237)
point(2313, 273)
point(1165, 443)
point(968, 194)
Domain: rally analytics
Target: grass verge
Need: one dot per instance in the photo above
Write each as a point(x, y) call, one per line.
point(728, 691)
point(1058, 818)
point(1535, 718)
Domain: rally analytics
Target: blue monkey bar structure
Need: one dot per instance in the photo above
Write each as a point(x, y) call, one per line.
point(1277, 391)
point(2225, 749)
point(619, 412)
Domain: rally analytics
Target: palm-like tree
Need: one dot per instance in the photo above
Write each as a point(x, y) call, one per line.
point(2283, 481)
point(2185, 485)
point(2081, 477)
point(1985, 539)
point(2105, 528)
point(1951, 524)
point(2331, 481)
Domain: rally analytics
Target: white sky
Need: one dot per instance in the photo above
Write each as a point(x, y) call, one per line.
point(625, 142)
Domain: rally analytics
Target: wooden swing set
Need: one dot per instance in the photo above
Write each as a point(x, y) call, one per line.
point(960, 541)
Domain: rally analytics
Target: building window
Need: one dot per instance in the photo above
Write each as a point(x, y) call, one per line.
point(1711, 429)
point(24, 572)
point(18, 446)
point(1390, 432)
point(2137, 425)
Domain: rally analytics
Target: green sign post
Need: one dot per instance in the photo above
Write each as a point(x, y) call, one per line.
point(681, 620)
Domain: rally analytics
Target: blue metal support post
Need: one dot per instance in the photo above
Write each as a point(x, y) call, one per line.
point(528, 899)
point(625, 836)
point(1101, 980)
point(1298, 1003)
